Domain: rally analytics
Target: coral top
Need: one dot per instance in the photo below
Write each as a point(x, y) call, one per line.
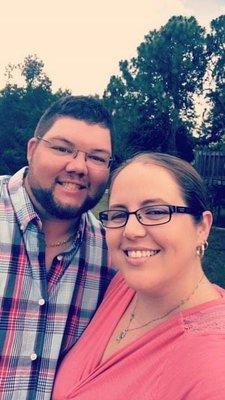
point(183, 358)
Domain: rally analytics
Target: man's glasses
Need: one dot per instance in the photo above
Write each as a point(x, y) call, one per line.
point(98, 159)
point(148, 215)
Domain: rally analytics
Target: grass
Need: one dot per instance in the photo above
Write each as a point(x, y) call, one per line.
point(214, 264)
point(214, 260)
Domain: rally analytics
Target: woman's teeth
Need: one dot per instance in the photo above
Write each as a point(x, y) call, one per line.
point(141, 253)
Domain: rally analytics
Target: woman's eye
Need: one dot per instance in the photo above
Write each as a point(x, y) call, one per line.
point(155, 212)
point(117, 216)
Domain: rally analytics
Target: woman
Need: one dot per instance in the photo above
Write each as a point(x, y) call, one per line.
point(160, 331)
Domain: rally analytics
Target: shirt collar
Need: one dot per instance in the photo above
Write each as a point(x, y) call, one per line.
point(21, 202)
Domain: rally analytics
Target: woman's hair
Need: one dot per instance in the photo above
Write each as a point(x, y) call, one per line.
point(189, 181)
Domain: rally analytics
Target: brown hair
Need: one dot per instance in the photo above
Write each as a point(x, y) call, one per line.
point(189, 181)
point(85, 108)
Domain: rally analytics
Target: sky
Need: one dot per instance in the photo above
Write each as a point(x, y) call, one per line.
point(82, 41)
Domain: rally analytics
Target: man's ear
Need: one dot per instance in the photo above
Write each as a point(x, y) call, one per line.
point(204, 227)
point(31, 146)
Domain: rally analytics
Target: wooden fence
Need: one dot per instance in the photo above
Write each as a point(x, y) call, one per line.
point(211, 166)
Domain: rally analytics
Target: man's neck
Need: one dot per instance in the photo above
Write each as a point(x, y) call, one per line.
point(55, 229)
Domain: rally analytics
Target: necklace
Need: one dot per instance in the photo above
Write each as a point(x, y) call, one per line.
point(60, 242)
point(123, 333)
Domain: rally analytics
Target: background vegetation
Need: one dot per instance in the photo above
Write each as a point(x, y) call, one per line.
point(153, 99)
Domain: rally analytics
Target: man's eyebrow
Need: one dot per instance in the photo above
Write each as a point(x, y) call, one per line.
point(62, 139)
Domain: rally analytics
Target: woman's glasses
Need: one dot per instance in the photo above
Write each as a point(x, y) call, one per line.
point(148, 215)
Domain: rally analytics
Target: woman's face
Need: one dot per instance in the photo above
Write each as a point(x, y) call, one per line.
point(154, 258)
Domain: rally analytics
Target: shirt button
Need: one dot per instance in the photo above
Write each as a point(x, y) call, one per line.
point(33, 356)
point(41, 302)
point(59, 257)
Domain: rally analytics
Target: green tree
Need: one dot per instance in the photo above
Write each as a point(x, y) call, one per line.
point(153, 98)
point(21, 108)
point(214, 124)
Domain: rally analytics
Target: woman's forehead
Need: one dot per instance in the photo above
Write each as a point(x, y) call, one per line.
point(145, 180)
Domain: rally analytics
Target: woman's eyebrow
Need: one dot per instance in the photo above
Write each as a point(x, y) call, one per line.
point(153, 201)
point(145, 202)
point(117, 205)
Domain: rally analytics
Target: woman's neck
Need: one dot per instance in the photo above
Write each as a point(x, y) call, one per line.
point(149, 306)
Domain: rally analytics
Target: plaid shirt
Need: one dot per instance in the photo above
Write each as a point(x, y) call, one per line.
point(42, 314)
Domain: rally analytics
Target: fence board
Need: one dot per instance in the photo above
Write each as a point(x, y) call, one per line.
point(211, 166)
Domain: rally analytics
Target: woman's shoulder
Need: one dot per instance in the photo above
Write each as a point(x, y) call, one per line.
point(195, 368)
point(207, 318)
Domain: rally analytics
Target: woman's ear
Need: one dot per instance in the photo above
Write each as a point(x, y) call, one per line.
point(31, 146)
point(204, 227)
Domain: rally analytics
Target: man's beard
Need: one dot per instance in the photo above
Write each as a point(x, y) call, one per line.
point(56, 209)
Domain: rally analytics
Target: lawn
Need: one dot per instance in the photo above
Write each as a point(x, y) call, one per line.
point(214, 260)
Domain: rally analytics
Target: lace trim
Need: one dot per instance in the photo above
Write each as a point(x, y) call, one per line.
point(206, 321)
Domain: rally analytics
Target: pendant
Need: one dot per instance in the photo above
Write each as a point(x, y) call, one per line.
point(121, 335)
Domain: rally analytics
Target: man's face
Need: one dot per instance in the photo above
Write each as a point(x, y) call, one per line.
point(60, 185)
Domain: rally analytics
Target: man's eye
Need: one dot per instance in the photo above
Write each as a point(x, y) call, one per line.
point(61, 149)
point(96, 158)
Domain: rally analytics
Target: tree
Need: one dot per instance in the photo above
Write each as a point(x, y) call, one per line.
point(21, 108)
point(153, 98)
point(214, 124)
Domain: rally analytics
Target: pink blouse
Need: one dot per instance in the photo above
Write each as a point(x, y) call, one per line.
point(183, 358)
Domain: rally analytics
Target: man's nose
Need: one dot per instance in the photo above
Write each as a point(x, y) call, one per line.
point(77, 163)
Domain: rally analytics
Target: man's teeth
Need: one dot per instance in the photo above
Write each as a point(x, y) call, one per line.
point(141, 253)
point(68, 185)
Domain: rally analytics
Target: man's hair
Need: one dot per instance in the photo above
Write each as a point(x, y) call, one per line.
point(85, 108)
point(189, 181)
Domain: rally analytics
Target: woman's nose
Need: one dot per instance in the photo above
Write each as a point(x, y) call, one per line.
point(134, 228)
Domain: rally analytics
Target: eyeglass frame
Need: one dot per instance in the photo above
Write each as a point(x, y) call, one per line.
point(172, 210)
point(76, 151)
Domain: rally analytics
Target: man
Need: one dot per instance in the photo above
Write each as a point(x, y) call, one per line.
point(53, 256)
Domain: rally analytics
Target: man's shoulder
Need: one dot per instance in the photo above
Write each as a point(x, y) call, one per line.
point(4, 181)
point(93, 223)
point(14, 181)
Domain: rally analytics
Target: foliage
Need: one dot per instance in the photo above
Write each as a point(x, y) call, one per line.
point(214, 124)
point(153, 98)
point(214, 258)
point(20, 110)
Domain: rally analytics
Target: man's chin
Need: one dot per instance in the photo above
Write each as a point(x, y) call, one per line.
point(56, 209)
point(66, 211)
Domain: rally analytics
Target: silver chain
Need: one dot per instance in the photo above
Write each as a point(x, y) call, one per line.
point(123, 333)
